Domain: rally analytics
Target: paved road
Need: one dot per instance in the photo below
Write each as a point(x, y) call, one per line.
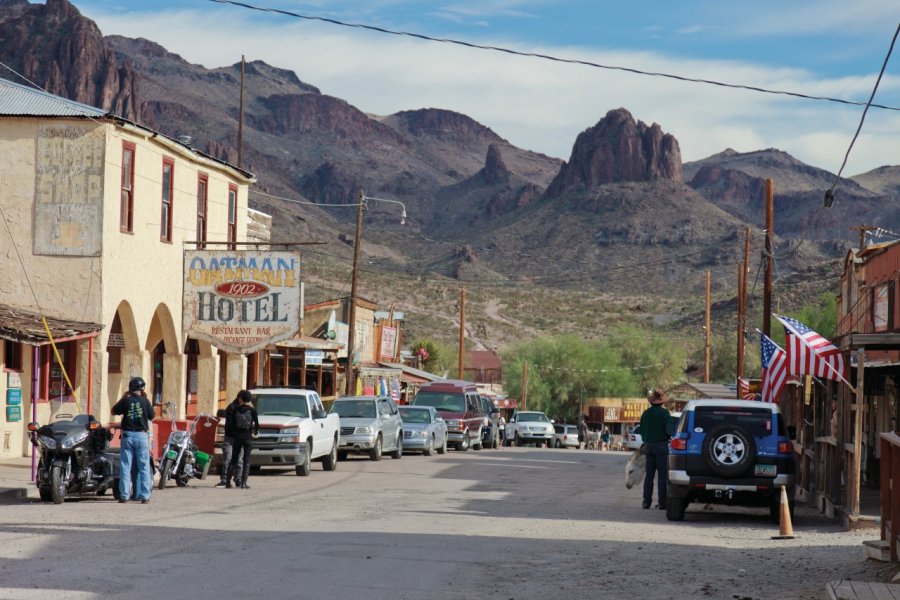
point(509, 523)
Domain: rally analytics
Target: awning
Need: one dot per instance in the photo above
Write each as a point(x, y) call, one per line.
point(310, 343)
point(25, 326)
point(410, 374)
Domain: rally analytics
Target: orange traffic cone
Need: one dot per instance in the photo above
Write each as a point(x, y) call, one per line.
point(786, 531)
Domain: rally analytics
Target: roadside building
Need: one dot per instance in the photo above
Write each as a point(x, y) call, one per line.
point(484, 367)
point(839, 456)
point(96, 212)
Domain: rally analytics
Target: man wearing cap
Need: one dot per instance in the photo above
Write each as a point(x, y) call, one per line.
point(655, 431)
point(137, 412)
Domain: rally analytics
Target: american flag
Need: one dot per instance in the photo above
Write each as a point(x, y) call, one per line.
point(743, 388)
point(811, 354)
point(774, 369)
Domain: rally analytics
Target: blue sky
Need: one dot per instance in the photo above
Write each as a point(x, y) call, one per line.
point(825, 47)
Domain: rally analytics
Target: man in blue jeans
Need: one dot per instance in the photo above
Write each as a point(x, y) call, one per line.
point(655, 431)
point(137, 412)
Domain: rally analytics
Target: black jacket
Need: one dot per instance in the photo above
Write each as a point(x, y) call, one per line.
point(229, 418)
point(136, 411)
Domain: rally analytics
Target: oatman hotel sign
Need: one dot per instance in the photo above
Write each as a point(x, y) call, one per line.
point(241, 300)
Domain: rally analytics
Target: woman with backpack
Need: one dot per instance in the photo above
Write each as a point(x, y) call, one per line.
point(245, 425)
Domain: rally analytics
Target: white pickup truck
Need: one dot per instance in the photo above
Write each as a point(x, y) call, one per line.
point(294, 429)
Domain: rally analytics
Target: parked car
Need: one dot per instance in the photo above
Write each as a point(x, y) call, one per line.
point(529, 427)
point(490, 431)
point(634, 441)
point(735, 452)
point(369, 425)
point(566, 436)
point(423, 430)
point(459, 404)
point(294, 429)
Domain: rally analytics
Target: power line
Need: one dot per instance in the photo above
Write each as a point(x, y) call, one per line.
point(549, 57)
point(862, 119)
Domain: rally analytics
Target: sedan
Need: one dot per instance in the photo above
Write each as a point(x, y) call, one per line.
point(566, 436)
point(423, 430)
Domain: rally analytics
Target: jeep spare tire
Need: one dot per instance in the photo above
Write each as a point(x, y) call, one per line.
point(729, 450)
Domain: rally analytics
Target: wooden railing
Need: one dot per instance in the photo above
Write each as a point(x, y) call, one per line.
point(890, 502)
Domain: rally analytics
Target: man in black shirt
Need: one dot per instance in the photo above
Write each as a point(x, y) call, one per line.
point(246, 424)
point(137, 412)
point(228, 446)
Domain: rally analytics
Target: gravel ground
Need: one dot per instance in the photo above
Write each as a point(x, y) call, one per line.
point(513, 523)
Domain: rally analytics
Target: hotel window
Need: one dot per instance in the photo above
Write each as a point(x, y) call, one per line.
point(12, 356)
point(232, 216)
point(168, 188)
point(202, 185)
point(126, 209)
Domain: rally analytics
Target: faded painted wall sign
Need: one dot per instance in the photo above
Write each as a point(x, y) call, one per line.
point(241, 300)
point(68, 207)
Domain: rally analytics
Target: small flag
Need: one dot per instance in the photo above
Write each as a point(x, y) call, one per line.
point(774, 369)
point(743, 388)
point(811, 354)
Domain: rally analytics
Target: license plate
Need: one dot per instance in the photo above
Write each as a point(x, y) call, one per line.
point(171, 454)
point(765, 470)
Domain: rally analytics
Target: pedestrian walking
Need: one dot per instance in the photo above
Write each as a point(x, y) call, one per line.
point(604, 438)
point(225, 474)
point(582, 433)
point(246, 425)
point(656, 430)
point(136, 412)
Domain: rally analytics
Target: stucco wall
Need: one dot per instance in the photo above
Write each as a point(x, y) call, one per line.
point(135, 274)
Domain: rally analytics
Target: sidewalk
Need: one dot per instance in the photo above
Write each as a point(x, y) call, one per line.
point(15, 479)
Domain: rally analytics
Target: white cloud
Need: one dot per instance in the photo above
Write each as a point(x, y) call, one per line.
point(538, 104)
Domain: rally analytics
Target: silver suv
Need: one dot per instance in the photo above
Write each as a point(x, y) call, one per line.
point(369, 425)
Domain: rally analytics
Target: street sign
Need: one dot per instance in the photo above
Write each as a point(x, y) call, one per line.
point(314, 357)
point(13, 397)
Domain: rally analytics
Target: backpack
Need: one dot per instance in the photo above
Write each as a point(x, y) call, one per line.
point(243, 420)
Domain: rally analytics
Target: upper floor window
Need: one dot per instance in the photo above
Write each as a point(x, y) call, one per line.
point(168, 188)
point(883, 307)
point(12, 355)
point(202, 187)
point(126, 209)
point(232, 215)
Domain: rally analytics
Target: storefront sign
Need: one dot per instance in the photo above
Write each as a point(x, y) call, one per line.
point(388, 342)
point(13, 380)
point(13, 397)
point(116, 340)
point(241, 300)
point(13, 414)
point(314, 357)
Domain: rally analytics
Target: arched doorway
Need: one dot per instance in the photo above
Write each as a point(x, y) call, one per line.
point(124, 358)
point(157, 377)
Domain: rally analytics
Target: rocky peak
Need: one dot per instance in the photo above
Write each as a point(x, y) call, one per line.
point(441, 123)
point(618, 149)
point(495, 171)
point(78, 65)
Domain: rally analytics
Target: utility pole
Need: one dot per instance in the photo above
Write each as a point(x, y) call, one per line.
point(767, 289)
point(241, 120)
point(351, 332)
point(863, 230)
point(740, 322)
point(462, 331)
point(706, 376)
point(743, 278)
point(524, 383)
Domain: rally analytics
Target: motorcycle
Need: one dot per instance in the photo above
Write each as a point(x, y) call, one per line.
point(74, 458)
point(181, 459)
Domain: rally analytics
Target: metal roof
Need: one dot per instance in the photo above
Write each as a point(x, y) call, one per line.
point(19, 100)
point(25, 326)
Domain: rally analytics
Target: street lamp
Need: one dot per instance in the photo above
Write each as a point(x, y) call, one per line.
point(351, 332)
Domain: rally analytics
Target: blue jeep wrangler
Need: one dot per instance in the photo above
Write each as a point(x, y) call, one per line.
point(734, 452)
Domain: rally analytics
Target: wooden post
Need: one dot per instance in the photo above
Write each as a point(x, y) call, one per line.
point(303, 369)
point(524, 383)
point(708, 353)
point(767, 287)
point(462, 331)
point(857, 431)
